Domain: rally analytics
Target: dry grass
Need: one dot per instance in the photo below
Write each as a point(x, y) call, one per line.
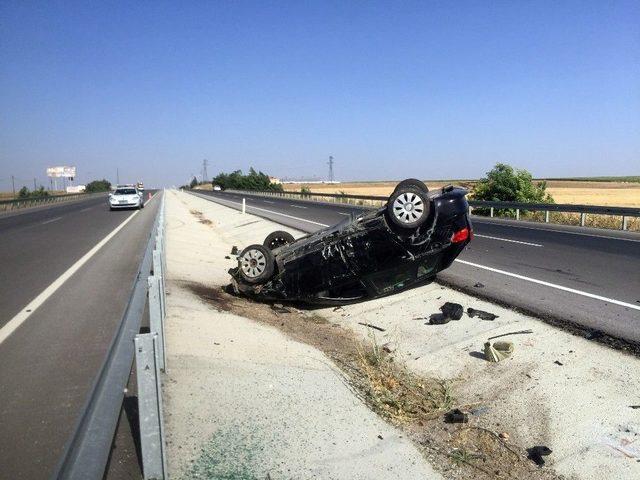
point(623, 194)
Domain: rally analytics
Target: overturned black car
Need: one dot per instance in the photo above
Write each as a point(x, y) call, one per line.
point(401, 245)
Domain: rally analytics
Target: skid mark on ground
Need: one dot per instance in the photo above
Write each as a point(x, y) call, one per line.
point(413, 403)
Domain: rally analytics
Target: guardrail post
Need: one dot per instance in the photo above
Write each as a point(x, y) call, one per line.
point(156, 325)
point(583, 217)
point(154, 464)
point(157, 271)
point(546, 216)
point(517, 214)
point(244, 205)
point(491, 214)
point(624, 222)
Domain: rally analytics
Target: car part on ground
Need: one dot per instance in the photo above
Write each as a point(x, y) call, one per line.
point(379, 252)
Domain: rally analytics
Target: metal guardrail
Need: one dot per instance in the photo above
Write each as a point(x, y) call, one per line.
point(19, 203)
point(87, 453)
point(376, 201)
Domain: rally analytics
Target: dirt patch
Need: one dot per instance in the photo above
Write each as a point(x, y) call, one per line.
point(200, 216)
point(417, 405)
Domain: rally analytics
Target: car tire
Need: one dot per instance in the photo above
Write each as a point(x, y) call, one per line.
point(277, 239)
point(411, 183)
point(256, 264)
point(408, 208)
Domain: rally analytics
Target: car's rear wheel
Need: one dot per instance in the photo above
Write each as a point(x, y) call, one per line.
point(277, 239)
point(409, 183)
point(256, 264)
point(408, 208)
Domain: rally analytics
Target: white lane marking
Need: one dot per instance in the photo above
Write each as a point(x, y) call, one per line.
point(509, 225)
point(347, 214)
point(12, 325)
point(297, 206)
point(51, 221)
point(552, 285)
point(267, 201)
point(85, 209)
point(507, 240)
point(207, 197)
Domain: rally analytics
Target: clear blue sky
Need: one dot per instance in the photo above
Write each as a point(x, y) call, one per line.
point(390, 89)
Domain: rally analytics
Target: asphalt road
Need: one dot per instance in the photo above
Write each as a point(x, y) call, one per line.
point(53, 343)
point(583, 278)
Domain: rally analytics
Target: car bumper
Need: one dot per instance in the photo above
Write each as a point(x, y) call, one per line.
point(124, 205)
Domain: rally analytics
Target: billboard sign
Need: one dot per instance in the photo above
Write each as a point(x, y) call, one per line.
point(61, 172)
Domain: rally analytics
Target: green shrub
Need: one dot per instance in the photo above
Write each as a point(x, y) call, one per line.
point(252, 181)
point(98, 186)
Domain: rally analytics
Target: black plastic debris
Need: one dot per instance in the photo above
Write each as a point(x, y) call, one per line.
point(375, 327)
point(227, 257)
point(234, 250)
point(451, 310)
point(472, 312)
point(456, 416)
point(536, 453)
point(635, 407)
point(558, 362)
point(438, 319)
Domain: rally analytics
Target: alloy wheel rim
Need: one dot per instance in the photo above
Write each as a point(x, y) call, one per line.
point(253, 263)
point(408, 207)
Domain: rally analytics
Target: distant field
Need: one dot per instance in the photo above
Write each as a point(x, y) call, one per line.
point(623, 192)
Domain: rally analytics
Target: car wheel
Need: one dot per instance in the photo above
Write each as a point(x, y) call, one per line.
point(277, 239)
point(408, 208)
point(411, 183)
point(256, 264)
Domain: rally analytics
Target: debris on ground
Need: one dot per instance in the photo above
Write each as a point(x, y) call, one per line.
point(635, 407)
point(519, 332)
point(438, 319)
point(234, 250)
point(497, 351)
point(558, 362)
point(472, 312)
point(451, 310)
point(389, 347)
point(536, 453)
point(504, 436)
point(375, 327)
point(227, 257)
point(479, 285)
point(456, 416)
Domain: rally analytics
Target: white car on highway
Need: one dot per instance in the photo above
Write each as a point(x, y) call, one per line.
point(126, 197)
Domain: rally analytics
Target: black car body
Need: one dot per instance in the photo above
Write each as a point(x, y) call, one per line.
point(364, 257)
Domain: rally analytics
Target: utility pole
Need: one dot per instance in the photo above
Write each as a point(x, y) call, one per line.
point(205, 162)
point(117, 176)
point(330, 168)
point(13, 185)
point(34, 184)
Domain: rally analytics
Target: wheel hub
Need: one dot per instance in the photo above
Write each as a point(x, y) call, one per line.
point(408, 207)
point(253, 263)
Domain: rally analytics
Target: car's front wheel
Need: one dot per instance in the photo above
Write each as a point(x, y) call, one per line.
point(256, 264)
point(277, 239)
point(408, 208)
